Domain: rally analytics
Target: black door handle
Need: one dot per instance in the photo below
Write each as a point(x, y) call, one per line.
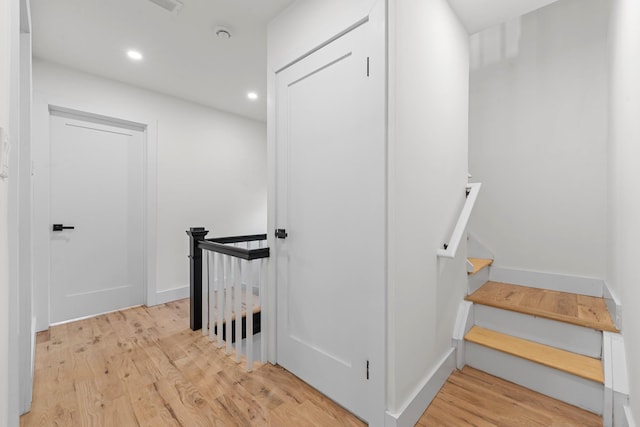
point(281, 233)
point(60, 227)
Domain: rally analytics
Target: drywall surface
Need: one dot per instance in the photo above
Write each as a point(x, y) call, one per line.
point(623, 275)
point(211, 165)
point(537, 138)
point(479, 15)
point(427, 166)
point(5, 68)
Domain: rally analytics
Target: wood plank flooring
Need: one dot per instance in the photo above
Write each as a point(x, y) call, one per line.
point(145, 367)
point(473, 398)
point(576, 309)
point(576, 364)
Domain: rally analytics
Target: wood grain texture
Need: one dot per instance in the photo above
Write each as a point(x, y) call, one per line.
point(474, 398)
point(479, 264)
point(145, 367)
point(576, 364)
point(581, 310)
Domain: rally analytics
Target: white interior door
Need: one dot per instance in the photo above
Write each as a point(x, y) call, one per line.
point(330, 195)
point(96, 187)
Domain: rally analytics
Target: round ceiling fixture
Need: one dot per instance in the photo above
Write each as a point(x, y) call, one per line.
point(222, 32)
point(252, 96)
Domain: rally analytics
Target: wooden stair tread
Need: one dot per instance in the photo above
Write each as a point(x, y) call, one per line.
point(479, 264)
point(576, 364)
point(581, 310)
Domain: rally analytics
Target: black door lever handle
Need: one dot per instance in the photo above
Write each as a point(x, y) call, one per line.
point(281, 233)
point(60, 227)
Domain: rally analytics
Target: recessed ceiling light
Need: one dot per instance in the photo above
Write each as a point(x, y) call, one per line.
point(134, 54)
point(252, 96)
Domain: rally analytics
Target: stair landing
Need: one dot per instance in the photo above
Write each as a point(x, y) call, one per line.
point(474, 398)
point(581, 310)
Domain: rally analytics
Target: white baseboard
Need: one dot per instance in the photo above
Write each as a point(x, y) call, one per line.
point(465, 320)
point(413, 410)
point(171, 295)
point(552, 281)
point(613, 306)
point(616, 379)
point(630, 422)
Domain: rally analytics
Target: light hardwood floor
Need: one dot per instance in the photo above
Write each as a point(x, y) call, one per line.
point(145, 367)
point(473, 398)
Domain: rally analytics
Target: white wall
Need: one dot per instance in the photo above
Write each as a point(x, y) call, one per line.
point(211, 164)
point(10, 122)
point(428, 90)
point(537, 139)
point(623, 275)
point(5, 68)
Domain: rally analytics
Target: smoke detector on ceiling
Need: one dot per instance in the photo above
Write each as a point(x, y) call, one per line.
point(222, 32)
point(172, 6)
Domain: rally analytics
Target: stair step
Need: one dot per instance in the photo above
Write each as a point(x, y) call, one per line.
point(582, 366)
point(581, 310)
point(479, 264)
point(562, 335)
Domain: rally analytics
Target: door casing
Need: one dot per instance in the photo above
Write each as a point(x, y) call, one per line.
point(41, 197)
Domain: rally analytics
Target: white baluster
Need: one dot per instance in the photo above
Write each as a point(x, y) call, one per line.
point(219, 296)
point(213, 278)
point(205, 292)
point(228, 288)
point(248, 295)
point(262, 294)
point(237, 284)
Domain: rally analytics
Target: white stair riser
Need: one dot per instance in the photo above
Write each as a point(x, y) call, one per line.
point(560, 385)
point(475, 281)
point(565, 336)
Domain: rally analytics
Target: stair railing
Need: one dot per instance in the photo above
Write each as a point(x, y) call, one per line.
point(228, 280)
point(449, 249)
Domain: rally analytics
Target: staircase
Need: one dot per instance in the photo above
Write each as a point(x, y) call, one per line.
point(556, 343)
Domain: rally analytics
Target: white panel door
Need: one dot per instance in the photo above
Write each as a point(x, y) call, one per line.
point(330, 195)
point(97, 188)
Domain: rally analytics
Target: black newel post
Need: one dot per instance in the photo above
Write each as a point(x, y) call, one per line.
point(195, 235)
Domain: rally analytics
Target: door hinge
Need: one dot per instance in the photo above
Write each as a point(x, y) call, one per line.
point(367, 369)
point(367, 66)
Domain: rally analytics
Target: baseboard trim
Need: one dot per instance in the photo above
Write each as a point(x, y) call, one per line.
point(413, 410)
point(630, 422)
point(552, 281)
point(171, 295)
point(613, 305)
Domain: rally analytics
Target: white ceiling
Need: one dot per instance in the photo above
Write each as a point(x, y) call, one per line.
point(182, 55)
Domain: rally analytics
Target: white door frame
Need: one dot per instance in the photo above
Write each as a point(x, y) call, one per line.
point(41, 196)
